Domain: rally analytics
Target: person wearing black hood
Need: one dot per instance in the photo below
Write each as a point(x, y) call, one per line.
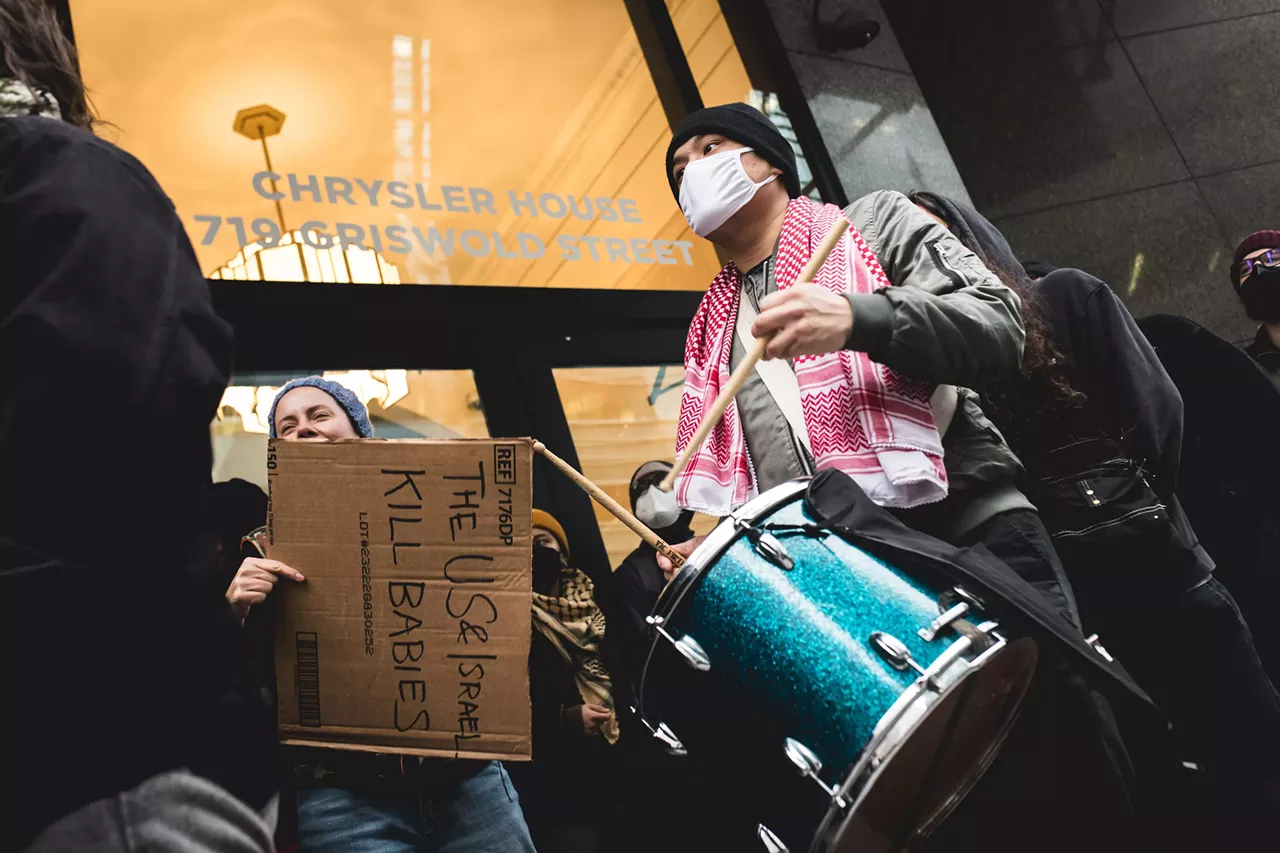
point(638, 579)
point(1097, 423)
point(1255, 272)
point(1230, 458)
point(637, 582)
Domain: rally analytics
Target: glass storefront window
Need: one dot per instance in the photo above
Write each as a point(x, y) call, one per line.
point(620, 418)
point(718, 70)
point(402, 404)
point(710, 51)
point(486, 142)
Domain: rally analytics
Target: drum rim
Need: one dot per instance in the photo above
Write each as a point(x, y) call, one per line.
point(718, 541)
point(837, 817)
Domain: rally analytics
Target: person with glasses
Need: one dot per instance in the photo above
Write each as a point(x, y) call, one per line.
point(1256, 276)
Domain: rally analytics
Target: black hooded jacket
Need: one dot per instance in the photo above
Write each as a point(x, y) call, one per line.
point(1107, 357)
point(638, 581)
point(1128, 392)
point(1265, 352)
point(1231, 466)
point(118, 654)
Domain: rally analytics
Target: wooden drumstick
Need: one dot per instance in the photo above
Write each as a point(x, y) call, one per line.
point(748, 364)
point(637, 526)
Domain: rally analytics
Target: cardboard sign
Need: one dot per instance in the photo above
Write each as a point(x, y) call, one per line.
point(411, 631)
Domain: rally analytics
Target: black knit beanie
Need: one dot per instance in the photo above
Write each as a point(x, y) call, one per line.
point(744, 124)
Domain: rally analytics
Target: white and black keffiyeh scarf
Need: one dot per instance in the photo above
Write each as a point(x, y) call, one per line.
point(19, 99)
point(572, 621)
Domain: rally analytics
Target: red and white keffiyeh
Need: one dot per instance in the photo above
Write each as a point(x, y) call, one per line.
point(862, 418)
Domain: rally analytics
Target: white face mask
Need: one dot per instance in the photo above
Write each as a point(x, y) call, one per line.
point(714, 188)
point(657, 509)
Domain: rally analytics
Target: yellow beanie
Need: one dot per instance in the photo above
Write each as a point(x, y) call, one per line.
point(547, 521)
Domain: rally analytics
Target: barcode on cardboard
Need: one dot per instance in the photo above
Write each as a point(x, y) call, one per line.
point(308, 650)
point(504, 464)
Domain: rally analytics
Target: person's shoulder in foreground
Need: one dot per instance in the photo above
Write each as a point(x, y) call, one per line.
point(96, 215)
point(47, 155)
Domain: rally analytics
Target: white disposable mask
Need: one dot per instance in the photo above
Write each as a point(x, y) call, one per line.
point(714, 188)
point(657, 509)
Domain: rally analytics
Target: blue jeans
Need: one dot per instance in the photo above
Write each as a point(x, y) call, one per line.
point(481, 815)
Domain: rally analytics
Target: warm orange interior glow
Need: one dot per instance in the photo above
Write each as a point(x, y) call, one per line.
point(547, 96)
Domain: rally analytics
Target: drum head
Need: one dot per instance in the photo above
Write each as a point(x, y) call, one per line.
point(940, 760)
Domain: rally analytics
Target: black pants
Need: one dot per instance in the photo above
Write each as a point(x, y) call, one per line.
point(1244, 539)
point(1193, 652)
point(1019, 539)
point(1063, 780)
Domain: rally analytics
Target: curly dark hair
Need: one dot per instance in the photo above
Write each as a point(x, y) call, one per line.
point(34, 49)
point(1041, 397)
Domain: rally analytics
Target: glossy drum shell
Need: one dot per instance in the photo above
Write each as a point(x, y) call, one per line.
point(790, 658)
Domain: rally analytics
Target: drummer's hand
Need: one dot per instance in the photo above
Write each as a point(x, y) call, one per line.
point(684, 549)
point(804, 319)
point(255, 580)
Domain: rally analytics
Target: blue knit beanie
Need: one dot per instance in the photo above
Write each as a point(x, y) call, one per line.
point(343, 396)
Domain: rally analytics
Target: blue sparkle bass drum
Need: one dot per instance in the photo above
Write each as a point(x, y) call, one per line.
point(838, 703)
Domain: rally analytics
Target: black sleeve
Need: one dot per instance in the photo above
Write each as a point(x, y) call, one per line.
point(1120, 370)
point(631, 595)
point(629, 628)
point(545, 696)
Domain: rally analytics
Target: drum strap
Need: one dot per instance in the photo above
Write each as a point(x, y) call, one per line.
point(778, 376)
point(780, 380)
point(944, 402)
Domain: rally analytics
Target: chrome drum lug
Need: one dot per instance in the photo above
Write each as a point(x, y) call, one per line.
point(771, 842)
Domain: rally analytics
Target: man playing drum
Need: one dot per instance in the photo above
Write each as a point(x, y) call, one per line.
point(881, 349)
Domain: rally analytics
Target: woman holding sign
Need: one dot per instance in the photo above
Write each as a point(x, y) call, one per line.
point(351, 802)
